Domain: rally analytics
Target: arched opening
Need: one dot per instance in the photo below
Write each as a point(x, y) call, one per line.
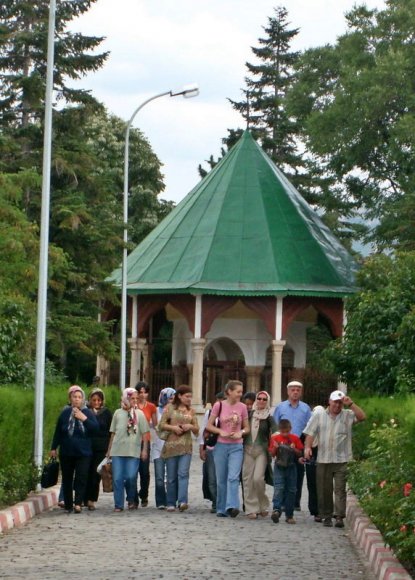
point(224, 361)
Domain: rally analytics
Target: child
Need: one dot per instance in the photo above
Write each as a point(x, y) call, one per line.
point(286, 448)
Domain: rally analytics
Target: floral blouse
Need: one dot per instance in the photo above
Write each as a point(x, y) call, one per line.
point(177, 444)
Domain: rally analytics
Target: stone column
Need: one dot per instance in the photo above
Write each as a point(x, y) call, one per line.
point(253, 378)
point(145, 362)
point(137, 346)
point(277, 347)
point(198, 347)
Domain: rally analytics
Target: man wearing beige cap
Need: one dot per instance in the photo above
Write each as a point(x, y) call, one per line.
point(333, 428)
point(298, 414)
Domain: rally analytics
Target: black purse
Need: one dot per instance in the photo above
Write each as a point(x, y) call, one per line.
point(50, 473)
point(210, 439)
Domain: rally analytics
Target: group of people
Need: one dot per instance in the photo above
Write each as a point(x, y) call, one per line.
point(238, 439)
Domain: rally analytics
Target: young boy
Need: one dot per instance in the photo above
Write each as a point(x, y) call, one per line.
point(286, 448)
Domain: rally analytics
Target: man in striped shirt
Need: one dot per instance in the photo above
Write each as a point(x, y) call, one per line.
point(333, 427)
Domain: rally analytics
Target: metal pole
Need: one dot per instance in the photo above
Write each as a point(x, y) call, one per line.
point(188, 92)
point(44, 246)
point(123, 358)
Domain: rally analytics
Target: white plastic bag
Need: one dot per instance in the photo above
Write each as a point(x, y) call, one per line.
point(105, 461)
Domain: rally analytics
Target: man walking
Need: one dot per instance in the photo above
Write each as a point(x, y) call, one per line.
point(298, 414)
point(333, 427)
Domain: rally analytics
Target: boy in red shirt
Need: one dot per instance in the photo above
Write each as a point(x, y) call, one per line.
point(286, 448)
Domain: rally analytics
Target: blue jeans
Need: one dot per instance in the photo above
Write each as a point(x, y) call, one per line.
point(159, 473)
point(178, 468)
point(228, 464)
point(124, 474)
point(211, 476)
point(285, 487)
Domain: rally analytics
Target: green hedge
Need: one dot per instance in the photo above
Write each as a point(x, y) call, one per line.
point(383, 478)
point(17, 473)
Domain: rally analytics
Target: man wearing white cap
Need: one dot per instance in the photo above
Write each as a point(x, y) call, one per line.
point(298, 414)
point(333, 428)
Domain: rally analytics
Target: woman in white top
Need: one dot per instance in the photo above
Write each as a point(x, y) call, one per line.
point(166, 396)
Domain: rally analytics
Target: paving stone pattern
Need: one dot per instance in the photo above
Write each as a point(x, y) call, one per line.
point(151, 544)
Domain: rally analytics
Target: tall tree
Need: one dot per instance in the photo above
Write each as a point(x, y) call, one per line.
point(355, 100)
point(263, 107)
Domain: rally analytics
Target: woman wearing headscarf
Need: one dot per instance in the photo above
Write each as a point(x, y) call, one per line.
point(127, 429)
point(166, 396)
point(100, 442)
point(180, 420)
point(256, 456)
point(75, 426)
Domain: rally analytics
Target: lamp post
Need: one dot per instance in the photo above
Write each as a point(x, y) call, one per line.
point(44, 247)
point(187, 92)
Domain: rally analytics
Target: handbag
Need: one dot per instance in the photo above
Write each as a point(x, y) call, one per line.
point(210, 439)
point(50, 473)
point(106, 477)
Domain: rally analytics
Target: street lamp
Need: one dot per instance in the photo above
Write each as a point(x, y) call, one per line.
point(187, 92)
point(44, 246)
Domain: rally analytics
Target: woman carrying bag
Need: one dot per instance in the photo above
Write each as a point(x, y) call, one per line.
point(179, 421)
point(127, 429)
point(228, 451)
point(75, 427)
point(256, 456)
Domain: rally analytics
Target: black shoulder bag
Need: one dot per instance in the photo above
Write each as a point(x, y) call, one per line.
point(210, 439)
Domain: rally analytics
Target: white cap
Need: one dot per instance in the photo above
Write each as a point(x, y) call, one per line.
point(294, 384)
point(337, 396)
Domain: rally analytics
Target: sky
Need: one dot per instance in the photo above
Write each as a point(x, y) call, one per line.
point(161, 45)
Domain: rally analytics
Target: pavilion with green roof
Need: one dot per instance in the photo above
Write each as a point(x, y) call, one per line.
point(242, 267)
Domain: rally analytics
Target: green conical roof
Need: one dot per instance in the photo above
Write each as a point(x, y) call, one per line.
point(243, 230)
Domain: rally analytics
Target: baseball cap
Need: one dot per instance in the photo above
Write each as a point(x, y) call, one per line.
point(337, 396)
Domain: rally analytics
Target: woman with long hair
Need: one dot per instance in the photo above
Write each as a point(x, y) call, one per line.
point(127, 429)
point(256, 456)
point(75, 426)
point(99, 441)
point(166, 396)
point(228, 451)
point(180, 421)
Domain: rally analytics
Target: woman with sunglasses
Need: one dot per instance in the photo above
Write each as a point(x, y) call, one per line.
point(256, 457)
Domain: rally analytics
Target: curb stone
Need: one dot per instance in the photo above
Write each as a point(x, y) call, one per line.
point(23, 511)
point(382, 561)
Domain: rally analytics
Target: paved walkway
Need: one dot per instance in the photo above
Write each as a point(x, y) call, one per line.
point(151, 544)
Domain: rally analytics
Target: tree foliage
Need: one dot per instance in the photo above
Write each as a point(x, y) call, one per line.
point(355, 101)
point(86, 183)
point(378, 350)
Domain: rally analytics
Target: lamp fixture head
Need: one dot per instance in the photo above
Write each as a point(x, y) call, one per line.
point(188, 91)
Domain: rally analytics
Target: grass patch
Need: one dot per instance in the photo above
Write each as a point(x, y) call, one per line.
point(17, 423)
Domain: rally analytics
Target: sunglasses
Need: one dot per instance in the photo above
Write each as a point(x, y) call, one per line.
point(262, 399)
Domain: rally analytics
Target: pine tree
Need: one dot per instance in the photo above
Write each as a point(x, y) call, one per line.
point(23, 49)
point(263, 107)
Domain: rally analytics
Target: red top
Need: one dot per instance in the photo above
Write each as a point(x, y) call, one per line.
point(287, 439)
point(148, 409)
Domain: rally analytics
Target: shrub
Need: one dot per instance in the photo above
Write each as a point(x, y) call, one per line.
point(384, 478)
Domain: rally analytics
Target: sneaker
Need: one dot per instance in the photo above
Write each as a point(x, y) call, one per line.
point(327, 522)
point(183, 507)
point(275, 516)
point(161, 507)
point(232, 512)
point(290, 521)
point(221, 515)
point(339, 523)
point(170, 508)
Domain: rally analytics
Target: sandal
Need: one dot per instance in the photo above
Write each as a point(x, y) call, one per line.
point(77, 509)
point(118, 510)
point(132, 506)
point(252, 517)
